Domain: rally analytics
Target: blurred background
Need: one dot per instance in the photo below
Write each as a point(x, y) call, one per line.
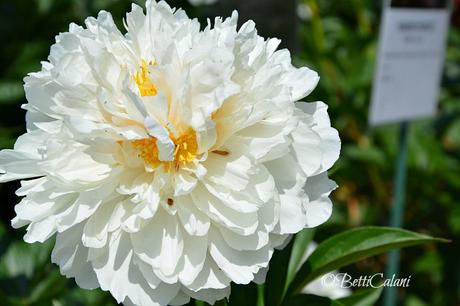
point(339, 40)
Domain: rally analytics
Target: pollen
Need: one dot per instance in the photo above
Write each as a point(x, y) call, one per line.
point(148, 151)
point(185, 151)
point(145, 85)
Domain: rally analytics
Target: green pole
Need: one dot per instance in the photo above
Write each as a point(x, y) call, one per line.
point(397, 210)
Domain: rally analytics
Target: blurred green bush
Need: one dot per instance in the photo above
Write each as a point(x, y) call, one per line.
point(338, 39)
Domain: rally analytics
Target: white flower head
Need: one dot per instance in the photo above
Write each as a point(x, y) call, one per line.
point(169, 161)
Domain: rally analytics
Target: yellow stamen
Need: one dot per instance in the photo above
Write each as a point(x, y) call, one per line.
point(185, 150)
point(145, 85)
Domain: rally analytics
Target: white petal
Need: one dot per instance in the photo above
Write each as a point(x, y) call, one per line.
point(23, 162)
point(290, 182)
point(266, 141)
point(147, 272)
point(302, 82)
point(160, 243)
point(95, 232)
point(185, 183)
point(319, 185)
point(71, 256)
point(288, 177)
point(240, 266)
point(180, 299)
point(319, 206)
point(210, 277)
point(194, 221)
point(252, 242)
point(41, 231)
point(306, 144)
point(85, 205)
point(233, 171)
point(117, 273)
point(243, 223)
point(164, 144)
point(194, 256)
point(210, 296)
point(320, 124)
point(318, 211)
point(293, 215)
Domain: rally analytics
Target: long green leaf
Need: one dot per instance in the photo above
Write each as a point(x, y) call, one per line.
point(301, 242)
point(352, 246)
point(366, 297)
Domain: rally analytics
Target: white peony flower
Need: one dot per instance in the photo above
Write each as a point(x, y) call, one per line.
point(169, 161)
point(328, 285)
point(202, 2)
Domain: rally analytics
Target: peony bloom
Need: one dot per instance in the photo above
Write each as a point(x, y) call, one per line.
point(169, 161)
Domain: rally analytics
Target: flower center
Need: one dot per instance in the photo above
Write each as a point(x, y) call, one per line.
point(185, 150)
point(145, 85)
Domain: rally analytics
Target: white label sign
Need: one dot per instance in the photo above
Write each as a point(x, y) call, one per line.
point(409, 65)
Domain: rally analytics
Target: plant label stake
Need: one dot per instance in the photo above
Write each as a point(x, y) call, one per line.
point(406, 85)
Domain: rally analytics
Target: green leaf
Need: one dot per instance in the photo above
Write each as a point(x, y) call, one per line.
point(243, 295)
point(301, 242)
point(276, 276)
point(82, 297)
point(310, 300)
point(352, 246)
point(367, 297)
point(51, 286)
point(22, 258)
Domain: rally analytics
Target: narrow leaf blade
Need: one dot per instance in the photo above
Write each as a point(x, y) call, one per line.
point(301, 242)
point(367, 297)
point(352, 246)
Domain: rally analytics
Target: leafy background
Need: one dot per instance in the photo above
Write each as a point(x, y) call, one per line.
point(336, 38)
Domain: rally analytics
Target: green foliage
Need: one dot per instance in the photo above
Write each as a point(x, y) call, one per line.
point(301, 242)
point(334, 253)
point(340, 42)
point(351, 246)
point(366, 297)
point(28, 278)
